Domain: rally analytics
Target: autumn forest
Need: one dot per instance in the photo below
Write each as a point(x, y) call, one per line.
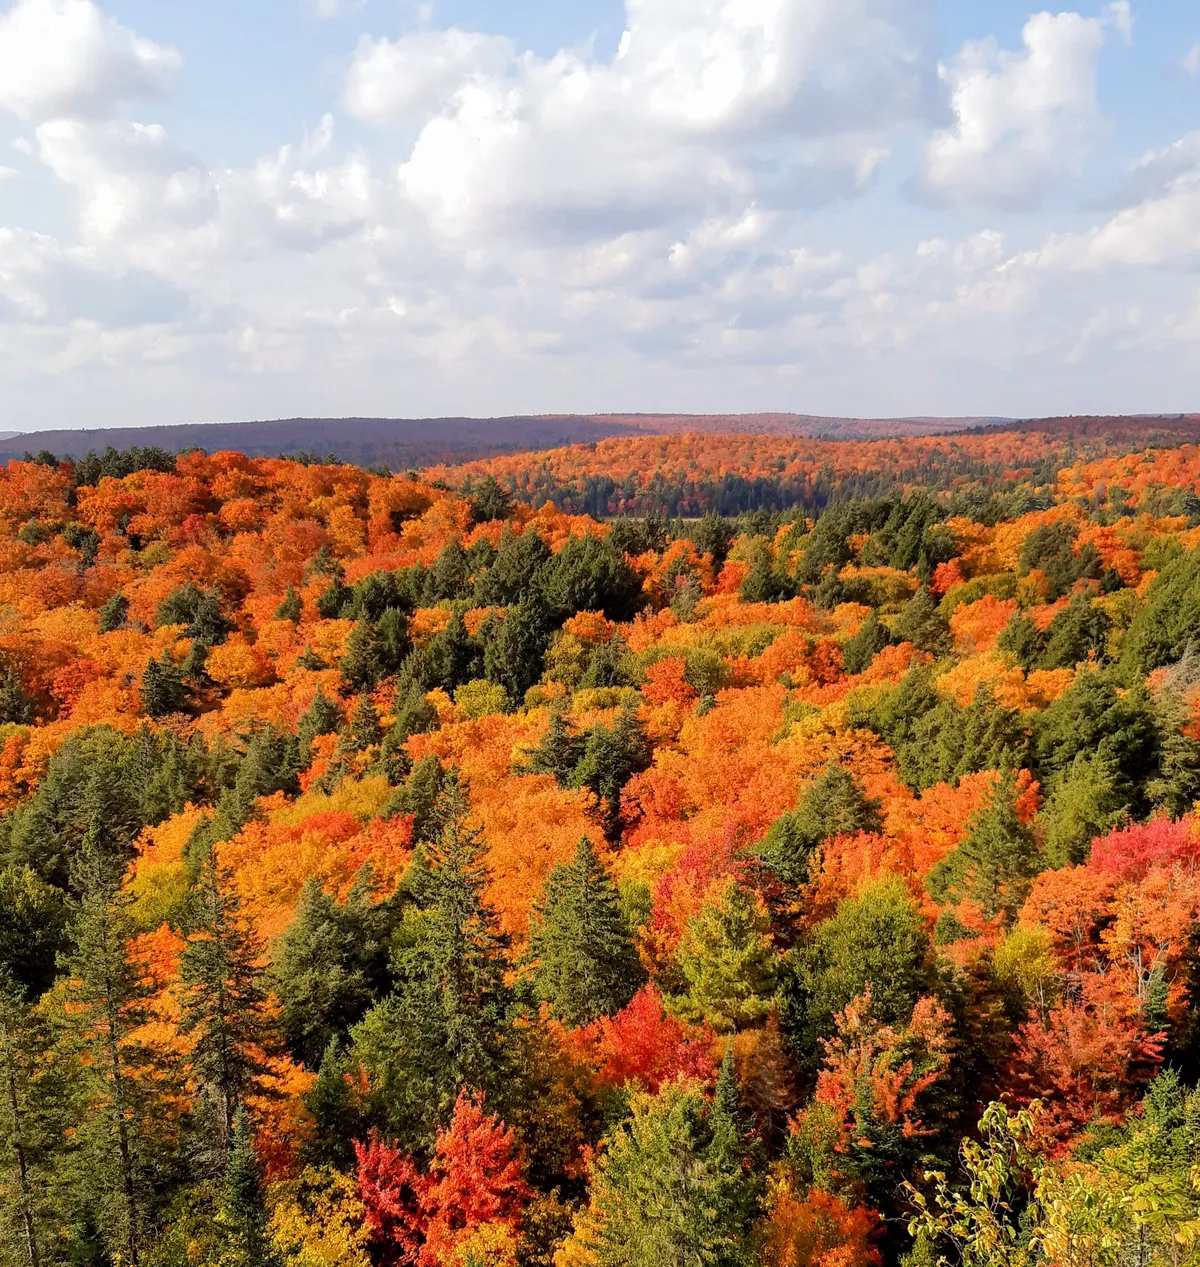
point(673, 851)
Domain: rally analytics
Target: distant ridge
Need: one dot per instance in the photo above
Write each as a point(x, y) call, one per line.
point(403, 443)
point(416, 442)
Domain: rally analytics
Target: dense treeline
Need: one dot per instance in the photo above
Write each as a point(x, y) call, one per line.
point(397, 876)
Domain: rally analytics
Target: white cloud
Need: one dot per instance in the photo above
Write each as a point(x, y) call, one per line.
point(1191, 60)
point(406, 80)
point(65, 58)
point(707, 105)
point(1025, 119)
point(572, 231)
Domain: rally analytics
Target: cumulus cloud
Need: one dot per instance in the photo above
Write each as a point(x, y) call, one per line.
point(514, 231)
point(1023, 119)
point(66, 58)
point(706, 105)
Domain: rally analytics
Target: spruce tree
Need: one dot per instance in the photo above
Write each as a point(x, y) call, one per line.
point(321, 717)
point(361, 666)
point(243, 1214)
point(835, 805)
point(330, 966)
point(162, 691)
point(996, 862)
point(16, 707)
point(445, 1025)
point(586, 965)
point(858, 652)
point(922, 624)
point(223, 1007)
point(513, 656)
point(672, 1186)
point(112, 614)
point(611, 757)
point(110, 995)
point(728, 963)
point(559, 751)
point(365, 731)
point(291, 608)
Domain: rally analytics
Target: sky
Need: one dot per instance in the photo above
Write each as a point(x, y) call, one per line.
point(271, 208)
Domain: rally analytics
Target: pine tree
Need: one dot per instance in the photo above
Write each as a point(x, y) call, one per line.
point(365, 731)
point(858, 652)
point(611, 757)
point(361, 666)
point(330, 966)
point(243, 1213)
point(763, 583)
point(444, 1026)
point(995, 863)
point(110, 994)
point(586, 965)
point(15, 705)
point(32, 932)
point(223, 1007)
point(490, 502)
point(922, 623)
point(162, 691)
point(291, 608)
point(322, 717)
point(333, 1108)
point(513, 657)
point(835, 805)
point(112, 614)
point(560, 750)
point(727, 962)
point(671, 1186)
point(1022, 640)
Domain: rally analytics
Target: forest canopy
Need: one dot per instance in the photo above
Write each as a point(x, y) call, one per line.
point(475, 870)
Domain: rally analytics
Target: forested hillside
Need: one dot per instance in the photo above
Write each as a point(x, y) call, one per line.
point(698, 473)
point(392, 875)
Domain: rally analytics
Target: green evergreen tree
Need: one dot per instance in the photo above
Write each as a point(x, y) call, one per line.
point(728, 963)
point(223, 1007)
point(607, 666)
point(321, 717)
point(514, 655)
point(996, 862)
point(585, 963)
point(33, 918)
point(1022, 640)
point(1082, 804)
point(611, 757)
point(334, 1110)
point(559, 751)
point(361, 666)
point(110, 994)
point(243, 1215)
point(162, 691)
point(419, 797)
point(835, 805)
point(763, 583)
point(445, 1025)
point(291, 608)
point(198, 611)
point(671, 1188)
point(922, 623)
point(1078, 631)
point(512, 573)
point(365, 731)
point(330, 966)
point(490, 502)
point(112, 613)
point(858, 652)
